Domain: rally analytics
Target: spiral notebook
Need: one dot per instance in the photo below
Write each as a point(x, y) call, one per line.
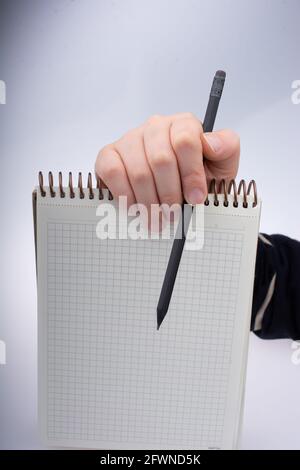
point(107, 378)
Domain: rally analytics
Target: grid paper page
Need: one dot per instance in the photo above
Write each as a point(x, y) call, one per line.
point(112, 379)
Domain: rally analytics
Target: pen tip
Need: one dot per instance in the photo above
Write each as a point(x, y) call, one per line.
point(160, 315)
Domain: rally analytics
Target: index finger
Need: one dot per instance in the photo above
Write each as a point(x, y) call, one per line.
point(185, 137)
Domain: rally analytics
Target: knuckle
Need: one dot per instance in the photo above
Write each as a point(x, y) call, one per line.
point(190, 119)
point(102, 152)
point(107, 169)
point(190, 115)
point(154, 119)
point(160, 160)
point(128, 138)
point(184, 139)
point(110, 172)
point(170, 199)
point(139, 177)
point(99, 161)
point(194, 177)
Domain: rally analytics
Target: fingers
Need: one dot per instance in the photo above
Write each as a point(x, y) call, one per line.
point(162, 160)
point(132, 152)
point(109, 167)
point(157, 162)
point(185, 137)
point(222, 153)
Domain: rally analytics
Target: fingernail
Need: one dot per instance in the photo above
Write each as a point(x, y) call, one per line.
point(195, 196)
point(214, 142)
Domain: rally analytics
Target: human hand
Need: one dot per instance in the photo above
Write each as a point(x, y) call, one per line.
point(163, 161)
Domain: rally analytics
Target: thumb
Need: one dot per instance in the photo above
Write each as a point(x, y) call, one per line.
point(221, 145)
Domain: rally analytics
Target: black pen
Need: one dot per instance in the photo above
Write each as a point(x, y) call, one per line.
point(187, 210)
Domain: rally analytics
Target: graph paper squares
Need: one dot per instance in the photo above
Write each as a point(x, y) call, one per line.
point(110, 374)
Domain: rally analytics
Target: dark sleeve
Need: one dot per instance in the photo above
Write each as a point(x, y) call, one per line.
point(276, 297)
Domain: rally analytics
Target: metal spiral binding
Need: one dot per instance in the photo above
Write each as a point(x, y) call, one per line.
point(60, 184)
point(215, 188)
point(228, 188)
point(61, 192)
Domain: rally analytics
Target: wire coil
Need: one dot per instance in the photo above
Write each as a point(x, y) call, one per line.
point(216, 188)
point(228, 188)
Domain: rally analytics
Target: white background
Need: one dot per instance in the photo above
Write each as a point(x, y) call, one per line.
point(79, 75)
